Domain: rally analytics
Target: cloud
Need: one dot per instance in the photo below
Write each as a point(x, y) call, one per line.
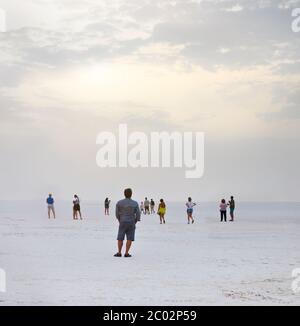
point(235, 8)
point(288, 102)
point(151, 119)
point(250, 31)
point(252, 37)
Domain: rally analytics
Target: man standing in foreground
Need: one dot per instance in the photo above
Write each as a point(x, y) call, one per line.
point(128, 214)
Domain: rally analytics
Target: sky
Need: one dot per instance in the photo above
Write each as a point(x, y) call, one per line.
point(70, 69)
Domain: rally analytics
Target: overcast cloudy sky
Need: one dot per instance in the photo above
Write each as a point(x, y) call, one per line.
point(70, 69)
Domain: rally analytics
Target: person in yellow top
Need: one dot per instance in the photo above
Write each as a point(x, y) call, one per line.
point(162, 211)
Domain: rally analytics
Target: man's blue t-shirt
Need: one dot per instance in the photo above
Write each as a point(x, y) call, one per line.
point(128, 211)
point(50, 201)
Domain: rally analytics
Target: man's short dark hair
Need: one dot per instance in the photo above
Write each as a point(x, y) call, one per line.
point(128, 193)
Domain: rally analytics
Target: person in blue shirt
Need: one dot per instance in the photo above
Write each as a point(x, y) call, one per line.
point(128, 214)
point(50, 203)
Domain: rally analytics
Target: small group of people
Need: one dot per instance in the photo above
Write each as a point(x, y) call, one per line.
point(147, 207)
point(223, 209)
point(76, 207)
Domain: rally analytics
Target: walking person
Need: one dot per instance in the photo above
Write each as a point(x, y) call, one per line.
point(50, 203)
point(190, 208)
point(106, 206)
point(162, 211)
point(152, 206)
point(128, 214)
point(142, 207)
point(231, 205)
point(147, 206)
point(223, 210)
point(76, 208)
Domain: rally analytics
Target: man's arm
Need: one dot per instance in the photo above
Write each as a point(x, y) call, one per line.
point(117, 212)
point(137, 214)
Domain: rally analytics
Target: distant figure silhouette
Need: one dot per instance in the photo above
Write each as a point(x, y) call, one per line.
point(223, 210)
point(190, 210)
point(76, 208)
point(142, 209)
point(50, 203)
point(106, 206)
point(231, 205)
point(147, 206)
point(152, 206)
point(162, 211)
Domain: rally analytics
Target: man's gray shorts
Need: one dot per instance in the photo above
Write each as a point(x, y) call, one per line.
point(127, 229)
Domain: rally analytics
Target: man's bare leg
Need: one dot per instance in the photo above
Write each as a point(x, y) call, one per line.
point(120, 246)
point(128, 246)
point(49, 213)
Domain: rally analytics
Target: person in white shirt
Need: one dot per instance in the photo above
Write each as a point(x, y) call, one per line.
point(190, 208)
point(147, 206)
point(142, 207)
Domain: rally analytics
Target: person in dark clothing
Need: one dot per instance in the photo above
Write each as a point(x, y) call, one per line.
point(231, 205)
point(152, 206)
point(106, 206)
point(76, 208)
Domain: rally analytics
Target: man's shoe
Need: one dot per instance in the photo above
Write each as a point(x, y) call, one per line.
point(118, 255)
